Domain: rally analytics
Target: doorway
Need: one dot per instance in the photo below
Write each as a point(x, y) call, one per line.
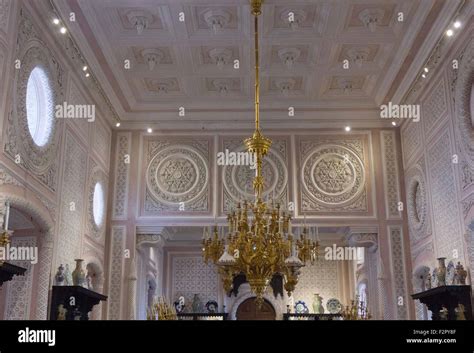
point(248, 310)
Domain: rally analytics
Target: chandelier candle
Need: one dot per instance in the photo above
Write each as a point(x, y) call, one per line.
point(261, 246)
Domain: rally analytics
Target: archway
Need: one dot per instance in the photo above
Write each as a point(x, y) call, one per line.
point(248, 310)
point(31, 208)
point(419, 285)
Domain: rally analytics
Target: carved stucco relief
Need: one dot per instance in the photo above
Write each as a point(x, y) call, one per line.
point(116, 272)
point(417, 204)
point(464, 121)
point(445, 208)
point(237, 180)
point(398, 271)
point(333, 175)
point(19, 289)
point(190, 275)
point(122, 171)
point(392, 186)
point(42, 162)
point(5, 6)
point(177, 175)
point(72, 201)
point(435, 107)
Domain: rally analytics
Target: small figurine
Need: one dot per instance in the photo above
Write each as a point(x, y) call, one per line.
point(59, 277)
point(428, 281)
point(461, 274)
point(89, 281)
point(443, 313)
point(459, 310)
point(62, 311)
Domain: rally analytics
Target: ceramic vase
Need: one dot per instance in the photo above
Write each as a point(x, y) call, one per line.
point(441, 271)
point(78, 275)
point(318, 304)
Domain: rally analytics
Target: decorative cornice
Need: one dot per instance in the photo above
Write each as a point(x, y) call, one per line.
point(150, 240)
point(366, 240)
point(71, 49)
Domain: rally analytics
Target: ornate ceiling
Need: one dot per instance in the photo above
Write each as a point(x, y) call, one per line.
point(182, 53)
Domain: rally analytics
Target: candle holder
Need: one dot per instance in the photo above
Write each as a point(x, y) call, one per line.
point(4, 241)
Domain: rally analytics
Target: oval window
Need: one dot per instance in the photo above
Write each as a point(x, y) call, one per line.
point(39, 106)
point(98, 204)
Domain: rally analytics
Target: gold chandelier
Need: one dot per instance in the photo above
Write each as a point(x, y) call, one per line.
point(263, 245)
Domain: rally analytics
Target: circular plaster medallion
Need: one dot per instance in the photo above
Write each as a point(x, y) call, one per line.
point(333, 175)
point(177, 174)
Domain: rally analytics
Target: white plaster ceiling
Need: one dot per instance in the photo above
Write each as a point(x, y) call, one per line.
point(186, 73)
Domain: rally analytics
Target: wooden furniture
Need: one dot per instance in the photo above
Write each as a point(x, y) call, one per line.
point(312, 317)
point(7, 271)
point(449, 297)
point(77, 301)
point(202, 316)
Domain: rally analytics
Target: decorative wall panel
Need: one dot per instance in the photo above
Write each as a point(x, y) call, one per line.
point(177, 176)
point(122, 170)
point(72, 201)
point(238, 179)
point(435, 108)
point(412, 140)
point(443, 197)
point(76, 97)
point(20, 287)
point(5, 6)
point(190, 275)
point(334, 174)
point(322, 278)
point(398, 272)
point(463, 118)
point(390, 171)
point(101, 142)
point(116, 272)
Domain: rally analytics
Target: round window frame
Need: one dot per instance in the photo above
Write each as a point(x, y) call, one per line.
point(97, 177)
point(98, 218)
point(36, 158)
point(39, 76)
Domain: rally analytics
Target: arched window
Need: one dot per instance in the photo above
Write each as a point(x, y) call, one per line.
point(98, 204)
point(39, 106)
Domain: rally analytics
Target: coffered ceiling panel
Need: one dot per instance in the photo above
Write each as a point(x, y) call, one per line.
point(198, 54)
